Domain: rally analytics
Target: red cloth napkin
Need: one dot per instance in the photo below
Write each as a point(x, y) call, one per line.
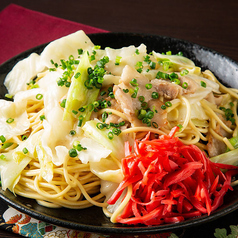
point(22, 29)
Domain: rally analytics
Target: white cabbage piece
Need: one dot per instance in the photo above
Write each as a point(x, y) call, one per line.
point(178, 62)
point(17, 112)
point(22, 73)
point(110, 79)
point(46, 165)
point(64, 47)
point(56, 130)
point(128, 57)
point(11, 170)
point(200, 93)
point(30, 143)
point(116, 145)
point(55, 138)
point(23, 96)
point(197, 112)
point(213, 86)
point(107, 169)
point(94, 152)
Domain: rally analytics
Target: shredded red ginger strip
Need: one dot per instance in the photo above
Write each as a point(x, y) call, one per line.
point(171, 182)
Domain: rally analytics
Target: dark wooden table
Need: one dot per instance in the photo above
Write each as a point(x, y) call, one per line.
point(213, 24)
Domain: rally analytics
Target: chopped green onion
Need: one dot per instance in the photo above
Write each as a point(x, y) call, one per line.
point(147, 59)
point(9, 96)
point(72, 132)
point(77, 75)
point(100, 125)
point(184, 72)
point(73, 152)
point(203, 84)
point(42, 117)
point(168, 104)
point(155, 95)
point(118, 60)
point(137, 52)
point(97, 47)
point(148, 86)
point(162, 75)
point(10, 120)
point(78, 146)
point(122, 123)
point(2, 138)
point(141, 98)
point(63, 103)
point(152, 65)
point(150, 114)
point(116, 131)
point(111, 95)
point(144, 105)
point(2, 157)
point(25, 150)
point(126, 90)
point(176, 81)
point(184, 85)
point(24, 137)
point(80, 51)
point(173, 76)
point(6, 145)
point(163, 107)
point(74, 112)
point(110, 135)
point(80, 122)
point(166, 65)
point(134, 94)
point(39, 96)
point(180, 53)
point(155, 124)
point(139, 66)
point(142, 114)
point(102, 93)
point(104, 116)
point(133, 82)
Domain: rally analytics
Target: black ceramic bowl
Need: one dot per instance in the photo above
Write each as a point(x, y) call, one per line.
point(92, 219)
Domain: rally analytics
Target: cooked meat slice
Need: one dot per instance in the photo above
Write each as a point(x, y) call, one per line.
point(167, 89)
point(160, 116)
point(127, 104)
point(192, 86)
point(130, 105)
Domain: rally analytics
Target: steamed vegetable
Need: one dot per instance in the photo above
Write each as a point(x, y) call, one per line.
point(79, 96)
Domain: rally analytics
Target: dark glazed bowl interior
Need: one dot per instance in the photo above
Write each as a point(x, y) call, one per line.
point(92, 219)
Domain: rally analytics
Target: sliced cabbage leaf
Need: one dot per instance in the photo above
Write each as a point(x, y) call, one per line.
point(213, 86)
point(116, 145)
point(22, 73)
point(234, 142)
point(94, 152)
point(177, 62)
point(46, 165)
point(79, 95)
point(230, 157)
point(17, 112)
point(128, 57)
point(106, 169)
point(55, 138)
point(11, 170)
point(68, 45)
